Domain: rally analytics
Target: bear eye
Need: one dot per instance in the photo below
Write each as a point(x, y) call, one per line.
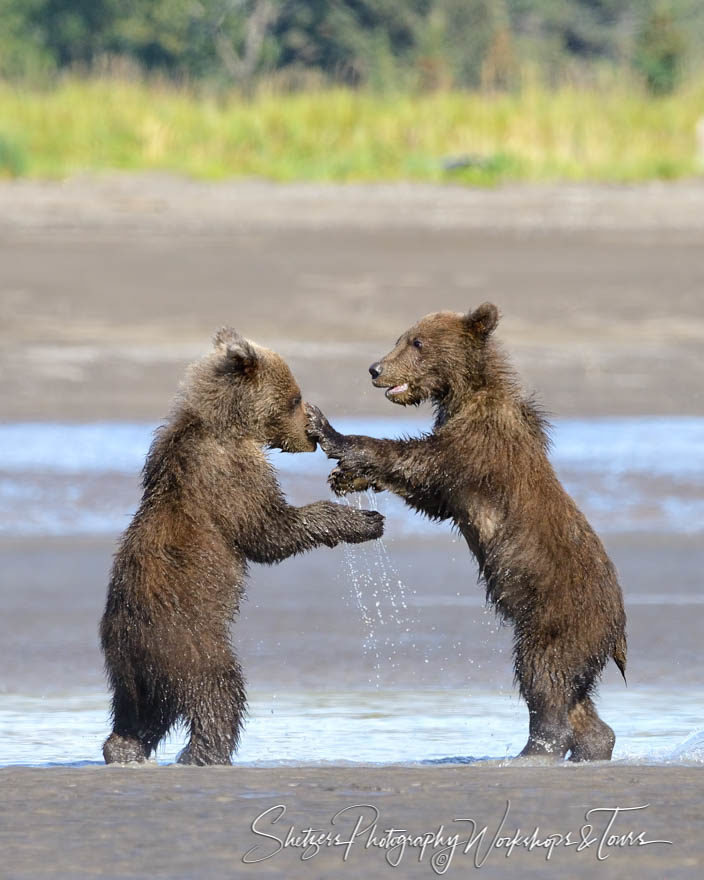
point(417, 343)
point(296, 401)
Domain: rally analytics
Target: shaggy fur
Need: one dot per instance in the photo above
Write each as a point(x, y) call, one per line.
point(211, 504)
point(485, 468)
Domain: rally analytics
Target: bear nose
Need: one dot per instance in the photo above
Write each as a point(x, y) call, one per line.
point(375, 370)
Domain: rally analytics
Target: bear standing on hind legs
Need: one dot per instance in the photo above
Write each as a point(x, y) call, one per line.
point(211, 504)
point(485, 468)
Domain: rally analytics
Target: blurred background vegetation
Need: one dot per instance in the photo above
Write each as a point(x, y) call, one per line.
point(473, 90)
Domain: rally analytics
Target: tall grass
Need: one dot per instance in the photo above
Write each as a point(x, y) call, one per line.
point(618, 134)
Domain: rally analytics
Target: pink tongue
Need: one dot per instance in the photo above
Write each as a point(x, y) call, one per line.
point(397, 389)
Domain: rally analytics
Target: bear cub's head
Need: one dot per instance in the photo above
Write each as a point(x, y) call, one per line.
point(442, 350)
point(247, 389)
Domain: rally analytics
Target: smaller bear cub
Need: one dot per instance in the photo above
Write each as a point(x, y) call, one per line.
point(211, 504)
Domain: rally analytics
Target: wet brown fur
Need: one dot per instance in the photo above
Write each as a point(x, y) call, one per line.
point(211, 504)
point(485, 468)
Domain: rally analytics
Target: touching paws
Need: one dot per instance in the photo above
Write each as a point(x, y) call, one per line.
point(321, 431)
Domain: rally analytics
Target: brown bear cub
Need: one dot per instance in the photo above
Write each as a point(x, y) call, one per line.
point(485, 468)
point(211, 504)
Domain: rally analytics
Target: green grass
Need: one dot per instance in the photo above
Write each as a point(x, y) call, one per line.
point(616, 134)
point(13, 159)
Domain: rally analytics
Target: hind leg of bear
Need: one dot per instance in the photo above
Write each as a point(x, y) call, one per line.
point(549, 733)
point(152, 734)
point(592, 738)
point(215, 719)
point(137, 730)
point(124, 745)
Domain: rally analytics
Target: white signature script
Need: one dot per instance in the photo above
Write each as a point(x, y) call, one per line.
point(360, 826)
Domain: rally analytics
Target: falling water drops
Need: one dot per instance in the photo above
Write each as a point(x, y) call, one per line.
point(381, 599)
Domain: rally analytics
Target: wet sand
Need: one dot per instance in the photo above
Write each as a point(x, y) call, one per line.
point(108, 288)
point(188, 822)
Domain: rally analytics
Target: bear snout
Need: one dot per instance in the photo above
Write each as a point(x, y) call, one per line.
point(375, 370)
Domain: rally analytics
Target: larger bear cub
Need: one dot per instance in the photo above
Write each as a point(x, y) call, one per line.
point(211, 504)
point(485, 468)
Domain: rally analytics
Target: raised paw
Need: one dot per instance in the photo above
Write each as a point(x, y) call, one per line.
point(321, 431)
point(366, 526)
point(342, 482)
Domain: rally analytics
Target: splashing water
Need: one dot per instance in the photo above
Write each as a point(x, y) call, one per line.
point(365, 595)
point(381, 599)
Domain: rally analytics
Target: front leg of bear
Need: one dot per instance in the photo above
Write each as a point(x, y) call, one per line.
point(352, 452)
point(335, 523)
point(291, 530)
point(405, 467)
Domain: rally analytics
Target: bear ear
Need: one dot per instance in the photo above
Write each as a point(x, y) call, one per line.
point(483, 320)
point(241, 355)
point(225, 335)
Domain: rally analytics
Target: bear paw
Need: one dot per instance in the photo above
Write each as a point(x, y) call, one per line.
point(342, 482)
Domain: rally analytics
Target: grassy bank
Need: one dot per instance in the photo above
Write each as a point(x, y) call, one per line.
point(617, 134)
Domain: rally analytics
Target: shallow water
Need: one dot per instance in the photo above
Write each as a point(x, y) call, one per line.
point(634, 477)
point(627, 474)
point(380, 726)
